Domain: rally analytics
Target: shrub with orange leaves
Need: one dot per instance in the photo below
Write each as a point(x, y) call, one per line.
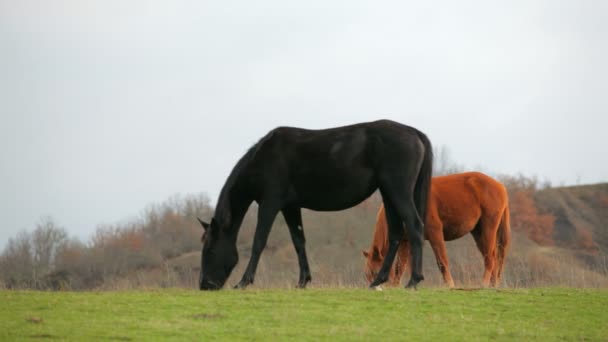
point(526, 218)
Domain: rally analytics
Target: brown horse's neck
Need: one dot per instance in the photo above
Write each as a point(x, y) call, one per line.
point(380, 240)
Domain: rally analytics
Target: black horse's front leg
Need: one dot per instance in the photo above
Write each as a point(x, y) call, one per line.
point(266, 214)
point(293, 218)
point(383, 274)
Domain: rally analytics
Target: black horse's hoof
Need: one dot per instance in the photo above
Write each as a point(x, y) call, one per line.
point(377, 282)
point(240, 286)
point(302, 283)
point(412, 285)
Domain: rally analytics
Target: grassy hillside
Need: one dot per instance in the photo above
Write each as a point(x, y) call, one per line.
point(313, 314)
point(581, 216)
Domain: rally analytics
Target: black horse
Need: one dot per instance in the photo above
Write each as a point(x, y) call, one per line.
point(325, 170)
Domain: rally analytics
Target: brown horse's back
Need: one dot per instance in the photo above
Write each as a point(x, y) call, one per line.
point(459, 201)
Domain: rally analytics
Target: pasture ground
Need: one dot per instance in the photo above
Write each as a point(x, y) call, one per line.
point(311, 314)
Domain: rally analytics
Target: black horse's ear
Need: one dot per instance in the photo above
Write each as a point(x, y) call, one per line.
point(204, 224)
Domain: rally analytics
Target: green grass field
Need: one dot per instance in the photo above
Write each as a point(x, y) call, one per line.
point(311, 314)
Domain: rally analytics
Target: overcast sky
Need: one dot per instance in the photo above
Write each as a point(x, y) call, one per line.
point(108, 106)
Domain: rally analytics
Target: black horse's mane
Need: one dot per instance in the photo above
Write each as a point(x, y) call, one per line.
point(222, 208)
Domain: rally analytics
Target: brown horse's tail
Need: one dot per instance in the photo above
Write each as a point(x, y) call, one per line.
point(423, 183)
point(502, 242)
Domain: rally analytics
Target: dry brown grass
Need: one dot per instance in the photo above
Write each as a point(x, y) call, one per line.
point(334, 244)
point(527, 265)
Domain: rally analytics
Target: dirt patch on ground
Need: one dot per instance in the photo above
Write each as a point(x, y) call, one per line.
point(207, 316)
point(35, 320)
point(43, 336)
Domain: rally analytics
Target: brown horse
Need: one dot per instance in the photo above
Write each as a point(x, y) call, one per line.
point(462, 203)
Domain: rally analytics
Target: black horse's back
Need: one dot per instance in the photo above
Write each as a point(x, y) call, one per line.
point(327, 170)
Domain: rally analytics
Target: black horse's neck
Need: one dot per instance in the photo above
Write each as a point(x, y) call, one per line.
point(234, 199)
point(230, 212)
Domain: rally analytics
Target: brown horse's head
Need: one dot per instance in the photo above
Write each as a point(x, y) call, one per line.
point(373, 263)
point(375, 259)
point(218, 258)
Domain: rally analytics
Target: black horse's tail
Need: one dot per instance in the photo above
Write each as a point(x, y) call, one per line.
point(423, 183)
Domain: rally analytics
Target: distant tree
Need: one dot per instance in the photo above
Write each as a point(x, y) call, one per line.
point(77, 267)
point(16, 262)
point(29, 257)
point(520, 183)
point(585, 240)
point(443, 163)
point(46, 239)
point(172, 227)
point(525, 216)
point(110, 247)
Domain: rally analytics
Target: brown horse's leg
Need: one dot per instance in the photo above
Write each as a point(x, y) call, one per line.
point(502, 244)
point(496, 270)
point(494, 277)
point(485, 238)
point(438, 244)
point(401, 263)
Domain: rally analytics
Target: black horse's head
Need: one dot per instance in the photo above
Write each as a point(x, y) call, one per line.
point(218, 258)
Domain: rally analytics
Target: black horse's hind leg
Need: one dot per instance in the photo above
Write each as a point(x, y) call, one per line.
point(266, 214)
point(400, 196)
point(293, 217)
point(415, 234)
point(395, 234)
